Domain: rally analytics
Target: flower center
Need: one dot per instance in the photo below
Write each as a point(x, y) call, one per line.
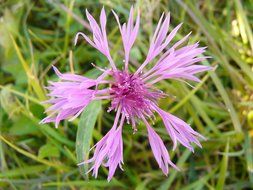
point(132, 95)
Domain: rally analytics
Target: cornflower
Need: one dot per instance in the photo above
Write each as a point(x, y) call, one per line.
point(133, 96)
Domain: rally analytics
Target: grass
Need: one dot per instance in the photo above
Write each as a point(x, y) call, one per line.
point(34, 35)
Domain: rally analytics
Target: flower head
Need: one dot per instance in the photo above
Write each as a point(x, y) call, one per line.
point(133, 96)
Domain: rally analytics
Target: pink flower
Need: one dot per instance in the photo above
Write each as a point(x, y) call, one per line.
point(133, 95)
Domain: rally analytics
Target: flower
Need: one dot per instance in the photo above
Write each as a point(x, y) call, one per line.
point(133, 96)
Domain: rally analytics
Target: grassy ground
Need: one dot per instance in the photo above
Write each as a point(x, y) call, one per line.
point(34, 35)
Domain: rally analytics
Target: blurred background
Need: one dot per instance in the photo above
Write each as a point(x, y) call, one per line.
point(34, 35)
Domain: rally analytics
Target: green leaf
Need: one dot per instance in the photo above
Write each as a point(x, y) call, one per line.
point(199, 184)
point(28, 170)
point(84, 133)
point(248, 156)
point(31, 156)
point(48, 150)
point(223, 169)
point(91, 183)
point(173, 173)
point(23, 126)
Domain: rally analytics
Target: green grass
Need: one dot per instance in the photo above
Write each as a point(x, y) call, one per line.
point(34, 35)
